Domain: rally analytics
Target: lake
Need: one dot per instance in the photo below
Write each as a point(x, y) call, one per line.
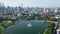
point(37, 27)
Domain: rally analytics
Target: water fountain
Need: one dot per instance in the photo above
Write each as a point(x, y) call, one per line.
point(29, 25)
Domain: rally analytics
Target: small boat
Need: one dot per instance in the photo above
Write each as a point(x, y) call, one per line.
point(29, 25)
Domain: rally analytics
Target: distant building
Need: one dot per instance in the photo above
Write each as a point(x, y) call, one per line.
point(58, 9)
point(51, 10)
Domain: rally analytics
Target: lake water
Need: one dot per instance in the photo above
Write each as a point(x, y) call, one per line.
point(37, 27)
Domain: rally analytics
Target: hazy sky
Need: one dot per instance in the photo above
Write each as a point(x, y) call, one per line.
point(32, 3)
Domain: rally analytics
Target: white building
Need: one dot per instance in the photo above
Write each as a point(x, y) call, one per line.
point(57, 16)
point(7, 22)
point(58, 31)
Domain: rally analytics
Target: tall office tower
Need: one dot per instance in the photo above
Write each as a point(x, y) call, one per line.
point(55, 10)
point(1, 4)
point(21, 5)
point(45, 10)
point(58, 9)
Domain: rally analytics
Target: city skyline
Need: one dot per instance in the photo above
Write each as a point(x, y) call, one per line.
point(31, 3)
